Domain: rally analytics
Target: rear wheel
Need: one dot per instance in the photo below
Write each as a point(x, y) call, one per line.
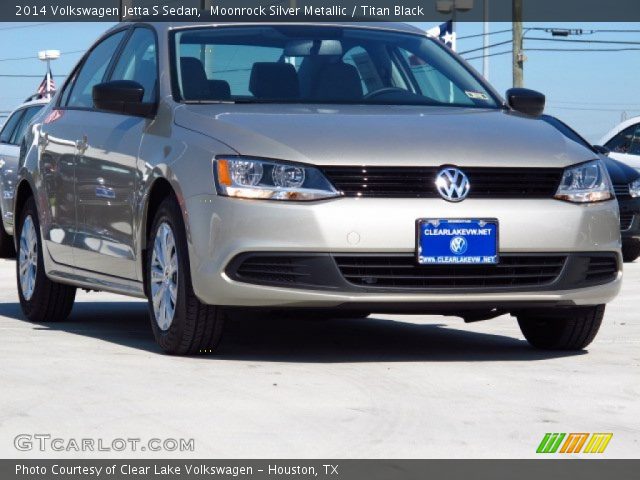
point(630, 251)
point(6, 243)
point(41, 299)
point(562, 329)
point(181, 323)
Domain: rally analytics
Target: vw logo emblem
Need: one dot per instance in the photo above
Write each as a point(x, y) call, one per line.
point(458, 245)
point(452, 184)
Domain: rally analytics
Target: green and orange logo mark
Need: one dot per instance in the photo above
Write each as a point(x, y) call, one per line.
point(574, 443)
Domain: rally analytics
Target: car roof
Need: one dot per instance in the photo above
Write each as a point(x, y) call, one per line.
point(618, 128)
point(30, 103)
point(389, 26)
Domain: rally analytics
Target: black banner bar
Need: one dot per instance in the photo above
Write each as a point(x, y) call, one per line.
point(590, 469)
point(316, 10)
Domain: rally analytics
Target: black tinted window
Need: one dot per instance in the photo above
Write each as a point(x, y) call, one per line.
point(138, 62)
point(93, 71)
point(622, 142)
point(10, 126)
point(20, 130)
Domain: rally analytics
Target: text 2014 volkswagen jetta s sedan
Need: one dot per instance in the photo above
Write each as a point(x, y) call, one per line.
point(362, 168)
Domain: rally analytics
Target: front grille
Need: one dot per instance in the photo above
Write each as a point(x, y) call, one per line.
point(621, 190)
point(626, 221)
point(401, 271)
point(419, 182)
point(393, 272)
point(602, 269)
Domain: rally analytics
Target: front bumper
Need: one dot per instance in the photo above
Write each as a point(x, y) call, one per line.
point(629, 218)
point(219, 229)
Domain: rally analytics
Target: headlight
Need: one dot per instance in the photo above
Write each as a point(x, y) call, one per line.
point(272, 180)
point(634, 188)
point(585, 183)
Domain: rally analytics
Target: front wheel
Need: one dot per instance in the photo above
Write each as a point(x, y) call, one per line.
point(562, 329)
point(181, 324)
point(41, 299)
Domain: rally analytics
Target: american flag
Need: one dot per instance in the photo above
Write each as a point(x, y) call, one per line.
point(47, 86)
point(444, 32)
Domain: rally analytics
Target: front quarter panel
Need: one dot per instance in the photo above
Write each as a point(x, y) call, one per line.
point(180, 156)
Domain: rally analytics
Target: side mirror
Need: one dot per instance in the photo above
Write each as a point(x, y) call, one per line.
point(122, 96)
point(602, 150)
point(526, 101)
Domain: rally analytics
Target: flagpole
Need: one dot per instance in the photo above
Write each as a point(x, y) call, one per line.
point(47, 56)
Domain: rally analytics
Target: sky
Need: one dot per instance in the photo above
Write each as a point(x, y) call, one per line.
point(591, 91)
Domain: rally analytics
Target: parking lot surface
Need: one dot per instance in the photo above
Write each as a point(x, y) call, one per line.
point(384, 387)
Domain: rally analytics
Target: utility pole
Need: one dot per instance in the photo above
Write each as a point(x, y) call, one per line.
point(518, 55)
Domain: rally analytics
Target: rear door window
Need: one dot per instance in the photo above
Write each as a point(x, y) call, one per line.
point(10, 126)
point(21, 128)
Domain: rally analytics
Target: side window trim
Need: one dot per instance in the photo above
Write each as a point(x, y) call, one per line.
point(74, 75)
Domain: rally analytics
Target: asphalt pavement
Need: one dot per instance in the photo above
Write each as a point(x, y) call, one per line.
point(384, 387)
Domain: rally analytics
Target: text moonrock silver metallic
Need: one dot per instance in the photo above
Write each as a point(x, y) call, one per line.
point(350, 168)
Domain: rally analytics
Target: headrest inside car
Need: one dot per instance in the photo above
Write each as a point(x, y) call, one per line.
point(271, 80)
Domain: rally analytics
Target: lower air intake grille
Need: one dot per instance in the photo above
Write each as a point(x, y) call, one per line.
point(272, 270)
point(393, 272)
point(401, 271)
point(602, 269)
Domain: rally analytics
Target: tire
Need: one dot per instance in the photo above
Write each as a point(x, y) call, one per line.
point(562, 329)
point(6, 243)
point(193, 327)
point(630, 251)
point(44, 300)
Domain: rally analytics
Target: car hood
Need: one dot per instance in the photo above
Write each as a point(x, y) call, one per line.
point(384, 135)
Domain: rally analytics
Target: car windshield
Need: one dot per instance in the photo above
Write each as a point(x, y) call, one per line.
point(319, 64)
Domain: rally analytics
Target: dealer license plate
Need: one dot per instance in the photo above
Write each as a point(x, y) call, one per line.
point(468, 242)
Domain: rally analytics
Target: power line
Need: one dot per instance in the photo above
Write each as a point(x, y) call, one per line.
point(546, 29)
point(627, 49)
point(14, 27)
point(482, 48)
point(569, 40)
point(489, 55)
point(3, 75)
point(484, 34)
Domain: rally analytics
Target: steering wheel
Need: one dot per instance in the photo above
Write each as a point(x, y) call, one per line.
point(382, 91)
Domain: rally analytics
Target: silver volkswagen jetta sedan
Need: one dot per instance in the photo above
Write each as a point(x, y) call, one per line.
point(349, 168)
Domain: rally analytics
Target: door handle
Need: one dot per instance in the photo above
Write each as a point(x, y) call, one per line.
point(2, 162)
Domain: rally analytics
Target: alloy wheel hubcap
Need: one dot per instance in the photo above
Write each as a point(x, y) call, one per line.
point(164, 277)
point(28, 258)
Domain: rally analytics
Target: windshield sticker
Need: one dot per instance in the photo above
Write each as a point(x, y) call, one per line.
point(476, 95)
